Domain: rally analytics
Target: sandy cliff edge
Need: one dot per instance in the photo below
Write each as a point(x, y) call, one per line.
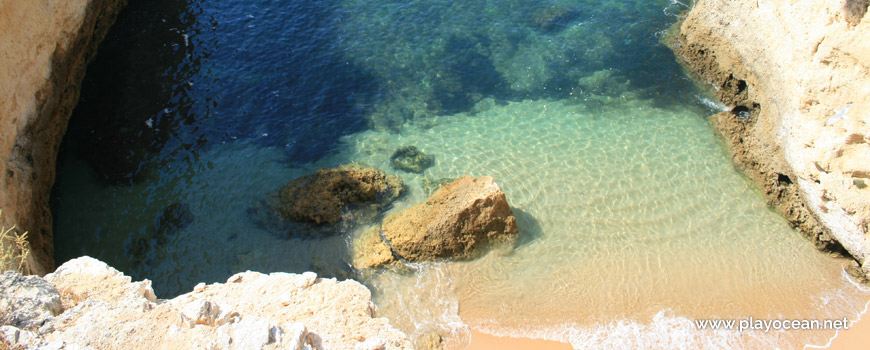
point(44, 49)
point(797, 77)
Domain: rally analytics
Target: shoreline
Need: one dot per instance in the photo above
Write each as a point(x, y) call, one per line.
point(855, 337)
point(781, 95)
point(483, 341)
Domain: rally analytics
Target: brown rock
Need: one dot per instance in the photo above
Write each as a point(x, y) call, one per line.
point(46, 47)
point(320, 197)
point(452, 223)
point(371, 250)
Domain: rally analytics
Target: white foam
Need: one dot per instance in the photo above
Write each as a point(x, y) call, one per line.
point(713, 105)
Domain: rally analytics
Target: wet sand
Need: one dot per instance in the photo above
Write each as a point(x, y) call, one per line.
point(482, 341)
point(856, 337)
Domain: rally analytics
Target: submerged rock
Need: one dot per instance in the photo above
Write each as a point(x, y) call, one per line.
point(411, 159)
point(174, 218)
point(452, 223)
point(319, 198)
point(432, 185)
point(554, 18)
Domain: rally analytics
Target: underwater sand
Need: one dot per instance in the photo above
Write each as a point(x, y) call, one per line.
point(633, 222)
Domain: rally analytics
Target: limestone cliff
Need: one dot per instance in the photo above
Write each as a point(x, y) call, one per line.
point(44, 49)
point(796, 74)
point(86, 304)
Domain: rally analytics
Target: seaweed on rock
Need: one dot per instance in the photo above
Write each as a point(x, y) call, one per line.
point(411, 159)
point(328, 201)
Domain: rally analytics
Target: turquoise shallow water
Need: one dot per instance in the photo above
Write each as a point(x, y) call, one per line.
point(632, 219)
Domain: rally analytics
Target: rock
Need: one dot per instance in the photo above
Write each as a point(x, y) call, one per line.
point(411, 159)
point(252, 333)
point(431, 341)
point(370, 250)
point(307, 279)
point(17, 336)
point(205, 312)
point(46, 47)
point(78, 279)
point(251, 311)
point(804, 89)
point(371, 344)
point(451, 224)
point(28, 301)
point(294, 336)
point(854, 10)
point(554, 18)
point(172, 219)
point(319, 198)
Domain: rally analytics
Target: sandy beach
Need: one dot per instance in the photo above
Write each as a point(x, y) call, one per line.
point(482, 341)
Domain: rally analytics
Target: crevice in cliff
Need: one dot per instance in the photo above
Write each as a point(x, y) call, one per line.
point(753, 149)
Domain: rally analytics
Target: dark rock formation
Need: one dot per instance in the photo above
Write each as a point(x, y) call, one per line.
point(554, 18)
point(174, 218)
point(854, 10)
point(411, 159)
point(320, 197)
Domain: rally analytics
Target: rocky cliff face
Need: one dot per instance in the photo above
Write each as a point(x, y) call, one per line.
point(44, 49)
point(86, 304)
point(797, 77)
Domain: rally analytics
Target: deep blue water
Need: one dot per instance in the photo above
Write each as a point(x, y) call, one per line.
point(176, 80)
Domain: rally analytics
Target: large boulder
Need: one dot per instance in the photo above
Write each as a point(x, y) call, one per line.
point(319, 198)
point(456, 220)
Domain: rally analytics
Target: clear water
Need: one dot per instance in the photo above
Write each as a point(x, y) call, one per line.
point(632, 219)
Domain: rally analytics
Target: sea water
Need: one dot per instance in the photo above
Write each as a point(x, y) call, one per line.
point(633, 222)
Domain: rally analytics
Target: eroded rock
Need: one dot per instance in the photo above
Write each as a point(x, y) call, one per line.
point(251, 311)
point(457, 219)
point(27, 302)
point(46, 47)
point(798, 102)
point(327, 201)
point(319, 198)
